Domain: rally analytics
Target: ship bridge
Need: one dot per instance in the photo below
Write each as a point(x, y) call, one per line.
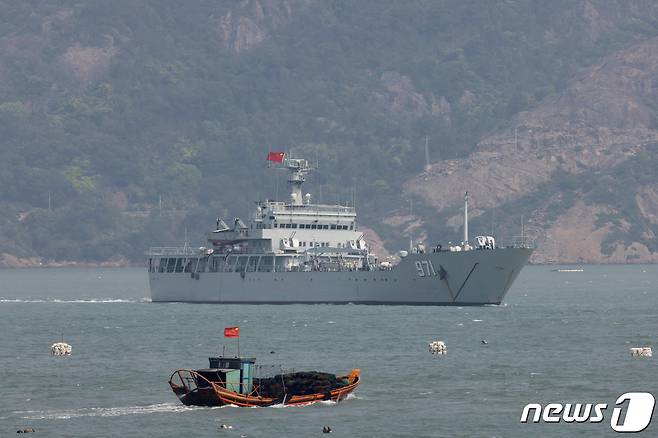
point(305, 216)
point(293, 227)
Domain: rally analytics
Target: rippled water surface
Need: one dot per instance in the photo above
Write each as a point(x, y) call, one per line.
point(560, 337)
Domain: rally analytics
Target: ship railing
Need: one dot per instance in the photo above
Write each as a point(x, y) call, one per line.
point(281, 207)
point(172, 250)
point(517, 242)
point(510, 242)
point(189, 381)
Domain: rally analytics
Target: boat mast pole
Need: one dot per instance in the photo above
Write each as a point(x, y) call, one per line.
point(466, 218)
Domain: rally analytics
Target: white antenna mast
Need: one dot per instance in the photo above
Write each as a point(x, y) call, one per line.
point(428, 166)
point(466, 218)
point(411, 208)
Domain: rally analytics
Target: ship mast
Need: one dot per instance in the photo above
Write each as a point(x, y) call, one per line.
point(298, 168)
point(466, 218)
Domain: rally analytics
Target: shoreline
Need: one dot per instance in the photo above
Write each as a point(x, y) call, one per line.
point(9, 261)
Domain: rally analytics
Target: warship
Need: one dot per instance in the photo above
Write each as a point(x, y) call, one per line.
point(302, 252)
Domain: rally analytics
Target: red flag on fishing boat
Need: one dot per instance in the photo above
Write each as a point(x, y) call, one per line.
point(277, 157)
point(232, 332)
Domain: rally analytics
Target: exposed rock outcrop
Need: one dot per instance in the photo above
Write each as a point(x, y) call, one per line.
point(399, 97)
point(88, 63)
point(251, 22)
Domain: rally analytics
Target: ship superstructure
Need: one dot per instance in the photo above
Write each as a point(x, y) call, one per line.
point(302, 252)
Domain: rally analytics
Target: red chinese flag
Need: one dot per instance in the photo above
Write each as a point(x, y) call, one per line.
point(232, 332)
point(277, 157)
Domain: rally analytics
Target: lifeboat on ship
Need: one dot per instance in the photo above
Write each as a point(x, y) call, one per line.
point(231, 381)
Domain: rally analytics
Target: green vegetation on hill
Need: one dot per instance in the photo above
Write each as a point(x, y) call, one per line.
point(139, 122)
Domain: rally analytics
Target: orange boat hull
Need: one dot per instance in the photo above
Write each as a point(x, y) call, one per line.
point(215, 395)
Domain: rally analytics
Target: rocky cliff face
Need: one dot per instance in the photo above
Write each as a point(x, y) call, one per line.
point(398, 97)
point(252, 21)
point(605, 117)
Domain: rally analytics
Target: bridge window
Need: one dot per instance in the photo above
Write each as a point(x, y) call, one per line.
point(333, 226)
point(294, 225)
point(163, 265)
point(313, 227)
point(171, 264)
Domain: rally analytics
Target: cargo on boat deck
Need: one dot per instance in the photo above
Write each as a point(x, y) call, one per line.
point(301, 383)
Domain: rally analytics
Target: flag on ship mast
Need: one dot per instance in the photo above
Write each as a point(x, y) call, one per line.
point(232, 332)
point(276, 157)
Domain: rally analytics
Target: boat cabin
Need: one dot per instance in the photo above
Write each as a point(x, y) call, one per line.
point(235, 373)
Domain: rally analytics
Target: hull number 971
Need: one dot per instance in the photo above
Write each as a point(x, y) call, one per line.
point(425, 268)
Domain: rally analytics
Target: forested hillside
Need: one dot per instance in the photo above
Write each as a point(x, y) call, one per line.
point(125, 123)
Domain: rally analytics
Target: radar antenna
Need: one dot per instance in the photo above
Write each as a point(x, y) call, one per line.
point(297, 168)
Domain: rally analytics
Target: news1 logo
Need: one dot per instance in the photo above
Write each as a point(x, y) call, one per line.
point(635, 416)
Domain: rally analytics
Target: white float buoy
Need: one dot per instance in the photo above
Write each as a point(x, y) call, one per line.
point(438, 347)
point(61, 349)
point(641, 352)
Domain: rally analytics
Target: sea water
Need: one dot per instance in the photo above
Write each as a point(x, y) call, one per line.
point(559, 337)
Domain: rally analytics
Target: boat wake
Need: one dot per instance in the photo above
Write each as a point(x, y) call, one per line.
point(349, 396)
point(104, 412)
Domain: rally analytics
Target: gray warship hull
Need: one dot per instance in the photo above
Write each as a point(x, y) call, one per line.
point(475, 277)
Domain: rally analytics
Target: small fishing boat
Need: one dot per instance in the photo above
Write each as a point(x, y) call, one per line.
point(231, 381)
